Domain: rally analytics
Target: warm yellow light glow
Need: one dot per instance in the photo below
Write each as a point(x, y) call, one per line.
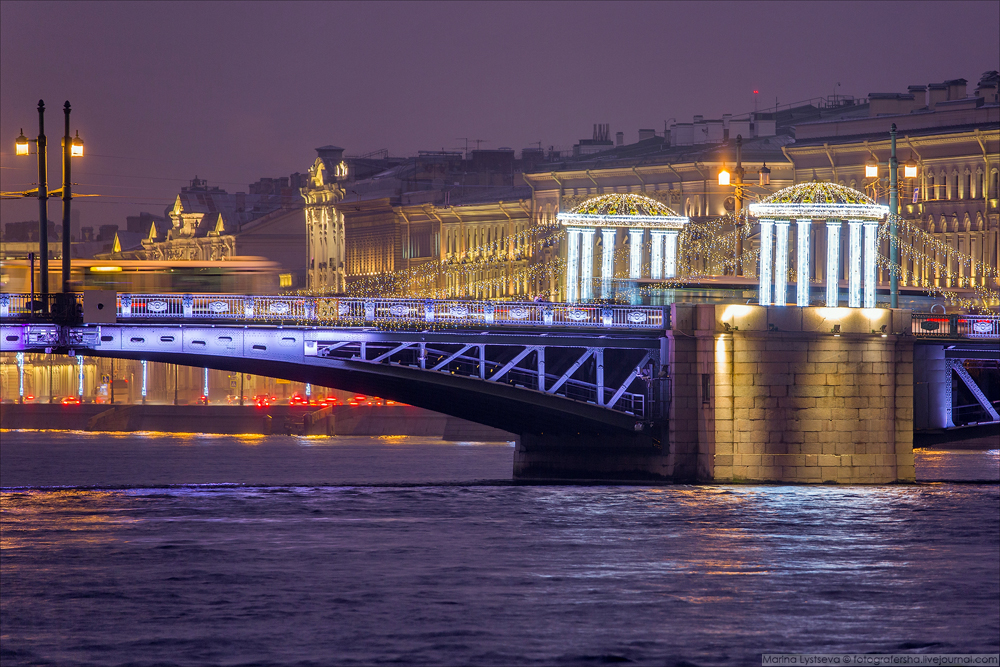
point(834, 314)
point(21, 144)
point(735, 311)
point(873, 313)
point(910, 171)
point(723, 177)
point(720, 351)
point(871, 171)
point(76, 148)
point(105, 269)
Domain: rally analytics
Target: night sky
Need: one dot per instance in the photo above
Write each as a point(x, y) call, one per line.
point(235, 91)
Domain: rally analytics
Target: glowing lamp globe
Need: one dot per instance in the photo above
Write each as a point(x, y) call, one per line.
point(871, 169)
point(910, 170)
point(764, 175)
point(76, 148)
point(723, 177)
point(21, 144)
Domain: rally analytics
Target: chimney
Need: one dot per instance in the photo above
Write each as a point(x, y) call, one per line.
point(956, 89)
point(919, 95)
point(619, 138)
point(646, 134)
point(936, 92)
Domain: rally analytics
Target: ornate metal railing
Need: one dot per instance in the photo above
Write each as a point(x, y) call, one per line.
point(366, 312)
point(962, 326)
point(407, 313)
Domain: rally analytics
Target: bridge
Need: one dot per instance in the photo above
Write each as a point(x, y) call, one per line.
point(593, 390)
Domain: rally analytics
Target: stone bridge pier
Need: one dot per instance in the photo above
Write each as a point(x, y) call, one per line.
point(789, 394)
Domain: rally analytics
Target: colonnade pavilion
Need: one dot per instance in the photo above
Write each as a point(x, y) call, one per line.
point(625, 219)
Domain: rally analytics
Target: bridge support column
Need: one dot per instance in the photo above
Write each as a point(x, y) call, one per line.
point(776, 396)
point(931, 388)
point(591, 456)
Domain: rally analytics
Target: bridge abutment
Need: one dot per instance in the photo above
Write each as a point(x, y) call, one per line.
point(783, 394)
point(593, 456)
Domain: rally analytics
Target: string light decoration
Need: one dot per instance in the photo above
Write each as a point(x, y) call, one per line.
point(818, 200)
point(623, 210)
point(704, 249)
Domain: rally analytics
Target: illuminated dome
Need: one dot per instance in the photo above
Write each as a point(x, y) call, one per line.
point(622, 210)
point(819, 200)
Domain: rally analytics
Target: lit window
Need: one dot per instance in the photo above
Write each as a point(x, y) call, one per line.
point(284, 280)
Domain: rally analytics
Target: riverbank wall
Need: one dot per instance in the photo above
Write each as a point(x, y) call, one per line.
point(224, 419)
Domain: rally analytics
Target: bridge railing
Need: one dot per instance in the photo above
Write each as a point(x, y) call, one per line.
point(927, 325)
point(361, 312)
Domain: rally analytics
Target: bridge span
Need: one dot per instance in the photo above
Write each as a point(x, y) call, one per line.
point(594, 391)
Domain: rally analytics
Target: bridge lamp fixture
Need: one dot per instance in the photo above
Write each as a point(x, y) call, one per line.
point(76, 147)
point(836, 330)
point(871, 169)
point(21, 144)
point(764, 176)
point(723, 176)
point(910, 169)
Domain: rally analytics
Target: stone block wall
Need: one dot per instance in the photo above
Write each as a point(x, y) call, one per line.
point(781, 396)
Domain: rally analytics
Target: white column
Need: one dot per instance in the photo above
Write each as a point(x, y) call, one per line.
point(656, 255)
point(670, 255)
point(832, 263)
point(572, 264)
point(781, 263)
point(854, 261)
point(607, 261)
point(635, 253)
point(802, 254)
point(764, 273)
point(587, 264)
point(871, 231)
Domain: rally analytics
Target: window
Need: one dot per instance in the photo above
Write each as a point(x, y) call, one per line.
point(284, 280)
point(706, 387)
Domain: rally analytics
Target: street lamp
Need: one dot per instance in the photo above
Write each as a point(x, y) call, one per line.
point(724, 179)
point(77, 146)
point(909, 171)
point(764, 176)
point(21, 144)
point(72, 147)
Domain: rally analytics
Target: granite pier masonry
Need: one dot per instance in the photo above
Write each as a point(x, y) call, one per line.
point(788, 394)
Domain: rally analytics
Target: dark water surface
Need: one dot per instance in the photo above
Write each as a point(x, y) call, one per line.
point(191, 550)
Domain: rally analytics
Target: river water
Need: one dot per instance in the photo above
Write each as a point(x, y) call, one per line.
point(152, 549)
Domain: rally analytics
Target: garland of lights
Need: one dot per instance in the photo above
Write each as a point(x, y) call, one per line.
point(704, 249)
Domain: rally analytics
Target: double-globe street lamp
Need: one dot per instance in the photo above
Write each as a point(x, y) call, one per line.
point(909, 171)
point(71, 147)
point(764, 178)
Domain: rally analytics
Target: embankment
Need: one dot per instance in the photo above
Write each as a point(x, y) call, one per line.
point(225, 419)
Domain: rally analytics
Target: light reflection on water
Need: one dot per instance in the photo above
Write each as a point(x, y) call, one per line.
point(377, 569)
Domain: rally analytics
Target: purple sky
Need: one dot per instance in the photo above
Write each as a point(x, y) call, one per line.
point(235, 91)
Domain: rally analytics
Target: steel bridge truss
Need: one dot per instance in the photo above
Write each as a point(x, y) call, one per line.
point(616, 372)
point(610, 373)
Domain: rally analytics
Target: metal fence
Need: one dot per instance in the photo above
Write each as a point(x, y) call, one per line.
point(960, 326)
point(365, 312)
point(337, 311)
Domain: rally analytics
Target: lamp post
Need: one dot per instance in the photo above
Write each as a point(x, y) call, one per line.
point(909, 171)
point(72, 147)
point(893, 212)
point(764, 175)
point(43, 221)
point(738, 173)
